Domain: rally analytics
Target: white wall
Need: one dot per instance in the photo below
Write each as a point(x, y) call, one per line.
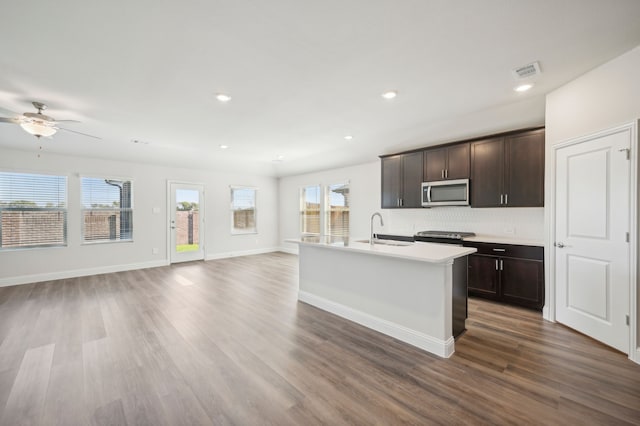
point(507, 223)
point(602, 98)
point(150, 230)
point(524, 223)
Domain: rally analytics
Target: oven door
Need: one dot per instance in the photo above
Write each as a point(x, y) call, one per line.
point(445, 193)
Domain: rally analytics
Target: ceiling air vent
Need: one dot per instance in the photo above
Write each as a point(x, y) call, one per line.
point(527, 71)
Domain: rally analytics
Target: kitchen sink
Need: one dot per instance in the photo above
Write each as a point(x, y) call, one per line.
point(387, 242)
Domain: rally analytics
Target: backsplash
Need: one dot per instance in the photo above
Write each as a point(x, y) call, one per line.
point(526, 223)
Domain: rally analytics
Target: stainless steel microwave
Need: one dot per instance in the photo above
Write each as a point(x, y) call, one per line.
point(445, 193)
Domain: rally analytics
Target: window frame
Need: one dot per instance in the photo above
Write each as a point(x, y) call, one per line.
point(326, 208)
point(64, 210)
point(83, 210)
point(232, 209)
point(301, 209)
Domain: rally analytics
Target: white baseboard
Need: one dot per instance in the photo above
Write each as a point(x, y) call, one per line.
point(228, 254)
point(428, 343)
point(49, 276)
point(290, 250)
point(637, 358)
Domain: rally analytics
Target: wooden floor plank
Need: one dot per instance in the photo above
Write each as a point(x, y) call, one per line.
point(26, 401)
point(226, 342)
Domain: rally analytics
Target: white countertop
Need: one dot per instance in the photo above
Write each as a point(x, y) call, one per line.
point(485, 238)
point(424, 252)
point(505, 240)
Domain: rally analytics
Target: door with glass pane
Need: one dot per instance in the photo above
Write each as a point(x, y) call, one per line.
point(186, 222)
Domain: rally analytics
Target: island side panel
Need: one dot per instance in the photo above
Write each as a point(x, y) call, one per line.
point(460, 310)
point(407, 299)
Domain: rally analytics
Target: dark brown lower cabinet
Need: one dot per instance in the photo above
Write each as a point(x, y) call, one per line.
point(483, 276)
point(507, 273)
point(522, 282)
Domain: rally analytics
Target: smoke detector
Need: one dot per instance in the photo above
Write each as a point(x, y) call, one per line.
point(527, 71)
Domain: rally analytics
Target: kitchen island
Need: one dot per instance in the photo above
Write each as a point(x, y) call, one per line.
point(414, 292)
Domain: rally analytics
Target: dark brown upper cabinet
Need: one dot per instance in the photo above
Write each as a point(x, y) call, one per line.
point(402, 180)
point(508, 171)
point(451, 162)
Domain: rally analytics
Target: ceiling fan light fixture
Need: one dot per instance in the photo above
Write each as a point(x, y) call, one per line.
point(38, 129)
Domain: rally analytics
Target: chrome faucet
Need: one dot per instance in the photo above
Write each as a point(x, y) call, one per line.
point(381, 224)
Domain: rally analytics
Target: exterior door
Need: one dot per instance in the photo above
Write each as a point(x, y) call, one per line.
point(186, 222)
point(592, 219)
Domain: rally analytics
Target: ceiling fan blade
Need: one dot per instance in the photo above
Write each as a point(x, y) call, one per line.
point(68, 121)
point(9, 120)
point(8, 112)
point(80, 133)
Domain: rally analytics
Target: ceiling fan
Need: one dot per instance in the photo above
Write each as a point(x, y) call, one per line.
point(39, 124)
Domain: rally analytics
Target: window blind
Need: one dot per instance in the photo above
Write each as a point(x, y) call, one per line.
point(107, 210)
point(33, 210)
point(243, 210)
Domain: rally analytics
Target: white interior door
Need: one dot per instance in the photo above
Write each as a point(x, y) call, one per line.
point(186, 222)
point(592, 218)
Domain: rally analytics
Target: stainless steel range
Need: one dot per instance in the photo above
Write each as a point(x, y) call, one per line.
point(447, 237)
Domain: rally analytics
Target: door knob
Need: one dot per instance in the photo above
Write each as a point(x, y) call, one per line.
point(559, 245)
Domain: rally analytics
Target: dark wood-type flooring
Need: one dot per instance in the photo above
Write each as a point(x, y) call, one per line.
point(226, 342)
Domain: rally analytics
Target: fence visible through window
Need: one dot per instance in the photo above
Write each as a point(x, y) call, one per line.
point(33, 210)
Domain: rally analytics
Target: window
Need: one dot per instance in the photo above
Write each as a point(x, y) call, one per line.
point(33, 210)
point(107, 210)
point(243, 210)
point(310, 210)
point(337, 210)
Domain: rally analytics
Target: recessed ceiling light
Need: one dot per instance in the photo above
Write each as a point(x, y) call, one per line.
point(348, 137)
point(390, 94)
point(222, 97)
point(224, 146)
point(523, 87)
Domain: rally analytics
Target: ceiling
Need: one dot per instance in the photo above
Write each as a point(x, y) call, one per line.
point(301, 74)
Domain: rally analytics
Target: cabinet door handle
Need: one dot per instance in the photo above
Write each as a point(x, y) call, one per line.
point(501, 198)
point(401, 202)
point(496, 264)
point(506, 198)
point(446, 173)
point(501, 265)
point(442, 173)
point(499, 249)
